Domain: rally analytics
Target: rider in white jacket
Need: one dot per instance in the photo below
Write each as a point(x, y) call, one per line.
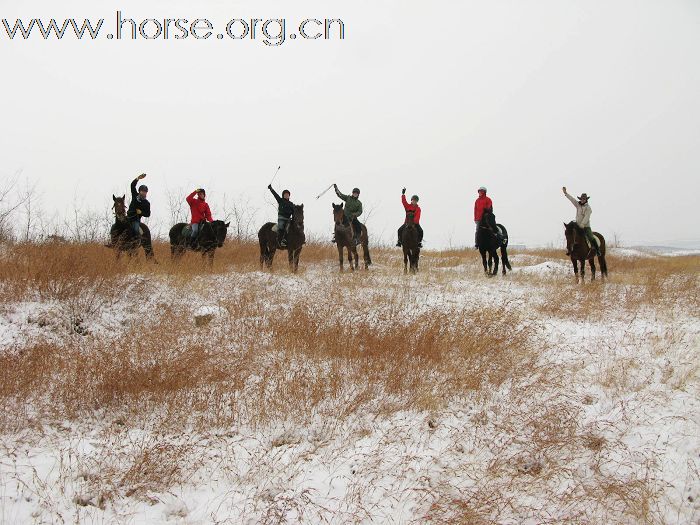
point(583, 218)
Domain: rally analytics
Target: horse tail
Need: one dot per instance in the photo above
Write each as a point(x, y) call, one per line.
point(601, 260)
point(504, 257)
point(365, 246)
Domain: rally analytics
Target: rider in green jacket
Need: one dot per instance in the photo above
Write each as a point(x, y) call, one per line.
point(353, 209)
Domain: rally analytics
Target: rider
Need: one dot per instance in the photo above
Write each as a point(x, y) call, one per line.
point(284, 214)
point(139, 206)
point(583, 219)
point(481, 204)
point(353, 209)
point(415, 209)
point(200, 211)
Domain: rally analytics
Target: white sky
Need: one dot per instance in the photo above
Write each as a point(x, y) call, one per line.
point(522, 96)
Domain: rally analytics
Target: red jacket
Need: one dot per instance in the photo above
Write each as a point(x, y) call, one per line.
point(481, 204)
point(200, 209)
point(411, 207)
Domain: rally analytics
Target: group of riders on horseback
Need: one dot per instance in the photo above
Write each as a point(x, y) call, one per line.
point(128, 226)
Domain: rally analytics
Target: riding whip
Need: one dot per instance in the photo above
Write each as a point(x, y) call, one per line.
point(273, 178)
point(324, 191)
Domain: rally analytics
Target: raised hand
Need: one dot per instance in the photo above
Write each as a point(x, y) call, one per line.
point(564, 189)
point(142, 176)
point(403, 191)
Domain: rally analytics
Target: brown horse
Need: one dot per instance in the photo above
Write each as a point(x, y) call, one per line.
point(577, 246)
point(295, 240)
point(410, 244)
point(344, 238)
point(122, 238)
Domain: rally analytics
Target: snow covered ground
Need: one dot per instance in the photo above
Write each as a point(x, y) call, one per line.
point(585, 410)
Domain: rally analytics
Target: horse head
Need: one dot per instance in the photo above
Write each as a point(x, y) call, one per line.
point(298, 217)
point(220, 231)
point(338, 214)
point(119, 207)
point(570, 231)
point(409, 220)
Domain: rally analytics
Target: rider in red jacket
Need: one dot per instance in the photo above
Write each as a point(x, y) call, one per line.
point(482, 203)
point(411, 207)
point(200, 211)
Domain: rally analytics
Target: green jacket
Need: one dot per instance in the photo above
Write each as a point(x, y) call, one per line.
point(353, 206)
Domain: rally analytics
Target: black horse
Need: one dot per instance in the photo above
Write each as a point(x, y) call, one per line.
point(267, 237)
point(577, 246)
point(211, 236)
point(410, 244)
point(122, 238)
point(488, 242)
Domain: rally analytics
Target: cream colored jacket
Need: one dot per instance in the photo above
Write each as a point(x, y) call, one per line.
point(583, 212)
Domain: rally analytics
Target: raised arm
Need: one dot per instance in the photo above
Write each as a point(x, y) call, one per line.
point(573, 201)
point(340, 195)
point(134, 193)
point(190, 197)
point(404, 201)
point(274, 193)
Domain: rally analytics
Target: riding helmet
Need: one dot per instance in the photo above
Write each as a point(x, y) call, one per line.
point(482, 188)
point(143, 187)
point(415, 197)
point(356, 190)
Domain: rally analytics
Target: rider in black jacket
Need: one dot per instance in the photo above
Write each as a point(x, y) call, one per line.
point(139, 206)
point(285, 211)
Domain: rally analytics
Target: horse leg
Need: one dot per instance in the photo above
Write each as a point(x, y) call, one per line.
point(575, 263)
point(350, 261)
point(583, 270)
point(591, 261)
point(290, 259)
point(405, 260)
point(495, 263)
point(297, 253)
point(340, 256)
point(483, 261)
point(271, 250)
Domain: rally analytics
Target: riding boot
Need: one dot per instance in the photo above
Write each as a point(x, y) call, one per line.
point(281, 241)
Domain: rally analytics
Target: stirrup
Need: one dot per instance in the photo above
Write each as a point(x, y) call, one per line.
point(398, 244)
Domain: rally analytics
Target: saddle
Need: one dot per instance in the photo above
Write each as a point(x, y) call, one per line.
point(276, 229)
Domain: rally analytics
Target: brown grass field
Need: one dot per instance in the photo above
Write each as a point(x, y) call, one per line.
point(444, 398)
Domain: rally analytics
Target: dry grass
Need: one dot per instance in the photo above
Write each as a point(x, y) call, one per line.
point(355, 349)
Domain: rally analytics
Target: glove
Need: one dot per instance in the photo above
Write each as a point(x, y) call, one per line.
point(269, 186)
point(335, 186)
point(403, 191)
point(143, 175)
point(564, 189)
point(138, 212)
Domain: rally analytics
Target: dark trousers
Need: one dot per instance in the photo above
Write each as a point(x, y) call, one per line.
point(418, 227)
point(357, 227)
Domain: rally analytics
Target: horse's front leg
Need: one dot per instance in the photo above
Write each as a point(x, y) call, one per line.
point(405, 261)
point(351, 249)
point(592, 263)
point(575, 263)
point(340, 256)
point(297, 254)
point(483, 261)
point(495, 263)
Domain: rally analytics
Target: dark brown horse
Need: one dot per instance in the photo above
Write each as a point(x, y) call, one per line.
point(121, 236)
point(212, 235)
point(411, 246)
point(267, 237)
point(344, 238)
point(577, 246)
point(489, 243)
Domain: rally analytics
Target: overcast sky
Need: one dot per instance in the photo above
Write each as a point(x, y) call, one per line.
point(521, 96)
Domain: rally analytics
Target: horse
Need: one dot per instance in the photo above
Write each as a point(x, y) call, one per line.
point(577, 246)
point(211, 236)
point(267, 237)
point(345, 238)
point(122, 237)
point(410, 244)
point(487, 241)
